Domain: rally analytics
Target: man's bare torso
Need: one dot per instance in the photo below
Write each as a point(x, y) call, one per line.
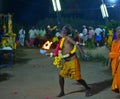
point(67, 47)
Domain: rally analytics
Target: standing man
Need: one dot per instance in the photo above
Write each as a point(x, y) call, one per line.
point(22, 36)
point(66, 50)
point(85, 33)
point(32, 36)
point(114, 62)
point(98, 36)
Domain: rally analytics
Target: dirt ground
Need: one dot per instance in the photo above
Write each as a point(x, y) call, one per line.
point(33, 76)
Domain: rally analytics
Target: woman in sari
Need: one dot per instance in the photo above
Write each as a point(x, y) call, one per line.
point(114, 62)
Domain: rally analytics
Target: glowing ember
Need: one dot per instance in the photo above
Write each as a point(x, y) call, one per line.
point(47, 45)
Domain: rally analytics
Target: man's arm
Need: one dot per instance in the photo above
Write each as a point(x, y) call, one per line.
point(77, 45)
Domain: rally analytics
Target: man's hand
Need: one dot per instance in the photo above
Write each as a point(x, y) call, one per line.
point(65, 56)
point(49, 54)
point(62, 56)
point(85, 57)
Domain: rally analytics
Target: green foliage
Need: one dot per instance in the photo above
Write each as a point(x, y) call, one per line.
point(95, 58)
point(100, 58)
point(76, 22)
point(90, 44)
point(112, 25)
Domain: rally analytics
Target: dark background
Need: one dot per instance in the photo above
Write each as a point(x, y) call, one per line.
point(31, 12)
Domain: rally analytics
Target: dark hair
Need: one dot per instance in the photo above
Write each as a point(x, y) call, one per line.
point(68, 29)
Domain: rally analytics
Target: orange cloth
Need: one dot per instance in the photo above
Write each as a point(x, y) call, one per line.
point(71, 69)
point(115, 56)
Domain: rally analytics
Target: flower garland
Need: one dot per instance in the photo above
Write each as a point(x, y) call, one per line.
point(61, 43)
point(58, 55)
point(73, 50)
point(57, 62)
point(59, 46)
point(58, 58)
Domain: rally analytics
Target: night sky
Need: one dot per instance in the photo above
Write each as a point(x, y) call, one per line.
point(26, 11)
point(32, 11)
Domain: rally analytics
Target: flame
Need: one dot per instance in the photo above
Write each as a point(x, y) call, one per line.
point(47, 45)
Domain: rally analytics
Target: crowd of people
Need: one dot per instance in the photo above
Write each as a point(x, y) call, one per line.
point(96, 35)
point(35, 36)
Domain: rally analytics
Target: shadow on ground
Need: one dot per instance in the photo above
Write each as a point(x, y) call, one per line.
point(76, 91)
point(5, 76)
point(100, 86)
point(95, 87)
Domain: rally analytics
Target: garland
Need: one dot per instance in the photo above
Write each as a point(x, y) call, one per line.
point(58, 58)
point(58, 55)
point(73, 50)
point(61, 43)
point(57, 62)
point(59, 46)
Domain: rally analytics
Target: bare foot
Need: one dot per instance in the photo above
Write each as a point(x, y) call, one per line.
point(88, 93)
point(61, 94)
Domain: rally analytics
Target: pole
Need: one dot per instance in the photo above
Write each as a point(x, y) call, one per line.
point(57, 9)
point(105, 12)
point(58, 19)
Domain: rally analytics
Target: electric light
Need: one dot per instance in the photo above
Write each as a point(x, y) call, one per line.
point(56, 5)
point(104, 10)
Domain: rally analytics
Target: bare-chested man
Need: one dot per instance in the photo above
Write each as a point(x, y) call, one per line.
point(71, 66)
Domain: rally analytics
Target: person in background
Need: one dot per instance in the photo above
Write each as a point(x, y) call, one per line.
point(22, 36)
point(98, 36)
point(91, 33)
point(32, 36)
point(37, 33)
point(110, 37)
point(49, 34)
point(85, 33)
point(114, 62)
point(114, 36)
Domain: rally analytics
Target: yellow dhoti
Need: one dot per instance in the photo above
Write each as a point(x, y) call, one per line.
point(71, 69)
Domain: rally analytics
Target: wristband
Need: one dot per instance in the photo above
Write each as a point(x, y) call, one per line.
point(76, 43)
point(60, 53)
point(65, 56)
point(51, 54)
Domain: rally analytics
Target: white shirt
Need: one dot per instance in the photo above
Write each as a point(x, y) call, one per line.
point(98, 31)
point(22, 33)
point(85, 31)
point(37, 32)
point(32, 33)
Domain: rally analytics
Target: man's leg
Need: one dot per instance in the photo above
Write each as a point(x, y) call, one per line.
point(61, 82)
point(88, 92)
